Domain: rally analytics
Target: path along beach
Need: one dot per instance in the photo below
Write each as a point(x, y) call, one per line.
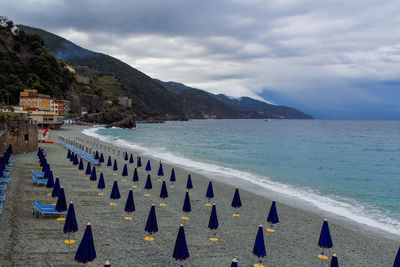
point(27, 240)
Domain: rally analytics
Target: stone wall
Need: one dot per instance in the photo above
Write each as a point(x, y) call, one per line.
point(22, 137)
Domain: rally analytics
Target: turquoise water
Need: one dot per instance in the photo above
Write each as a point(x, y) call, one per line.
point(350, 168)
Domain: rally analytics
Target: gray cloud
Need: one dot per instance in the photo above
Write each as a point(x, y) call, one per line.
point(295, 48)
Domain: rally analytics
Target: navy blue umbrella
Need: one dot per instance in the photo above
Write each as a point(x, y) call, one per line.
point(163, 192)
point(151, 224)
point(236, 202)
point(130, 204)
point(96, 156)
point(148, 166)
point(160, 170)
point(135, 176)
point(397, 259)
point(61, 202)
point(189, 184)
point(181, 251)
point(69, 154)
point(148, 184)
point(93, 175)
point(213, 222)
point(101, 159)
point(139, 162)
point(109, 164)
point(50, 182)
point(172, 178)
point(186, 204)
point(131, 159)
point(272, 216)
point(88, 169)
point(70, 225)
point(335, 263)
point(81, 167)
point(210, 193)
point(115, 168)
point(259, 245)
point(72, 157)
point(76, 161)
point(126, 156)
point(234, 263)
point(86, 251)
point(56, 188)
point(115, 191)
point(101, 184)
point(125, 170)
point(325, 240)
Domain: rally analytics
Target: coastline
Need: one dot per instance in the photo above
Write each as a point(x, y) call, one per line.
point(121, 242)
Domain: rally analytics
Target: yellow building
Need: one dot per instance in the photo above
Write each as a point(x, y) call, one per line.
point(30, 99)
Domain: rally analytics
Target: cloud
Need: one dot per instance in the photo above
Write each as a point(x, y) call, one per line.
point(313, 54)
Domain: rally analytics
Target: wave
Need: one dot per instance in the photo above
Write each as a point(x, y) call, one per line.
point(343, 207)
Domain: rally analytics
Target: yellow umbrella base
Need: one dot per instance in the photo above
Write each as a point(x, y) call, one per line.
point(86, 179)
point(163, 205)
point(258, 265)
point(128, 218)
point(80, 172)
point(113, 204)
point(69, 242)
point(49, 194)
point(60, 219)
point(133, 186)
point(146, 195)
point(92, 186)
point(235, 215)
point(115, 174)
point(208, 205)
point(130, 166)
point(214, 239)
point(53, 204)
point(270, 230)
point(159, 180)
point(123, 180)
point(171, 186)
point(322, 257)
point(185, 218)
point(100, 194)
point(149, 238)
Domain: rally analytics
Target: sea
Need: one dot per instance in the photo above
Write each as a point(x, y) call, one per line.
point(349, 169)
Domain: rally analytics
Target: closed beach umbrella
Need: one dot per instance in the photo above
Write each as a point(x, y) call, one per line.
point(334, 261)
point(130, 204)
point(135, 176)
point(163, 192)
point(76, 161)
point(93, 175)
point(126, 156)
point(210, 193)
point(272, 216)
point(88, 169)
point(151, 224)
point(236, 202)
point(139, 162)
point(148, 184)
point(131, 159)
point(72, 157)
point(101, 184)
point(81, 167)
point(96, 155)
point(70, 225)
point(234, 263)
point(86, 251)
point(148, 166)
point(189, 184)
point(101, 159)
point(259, 245)
point(61, 202)
point(56, 188)
point(397, 259)
point(213, 222)
point(325, 240)
point(186, 206)
point(109, 164)
point(172, 177)
point(69, 154)
point(115, 168)
point(50, 182)
point(160, 170)
point(115, 191)
point(181, 251)
point(125, 170)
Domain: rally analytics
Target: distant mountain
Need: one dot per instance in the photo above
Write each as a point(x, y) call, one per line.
point(225, 107)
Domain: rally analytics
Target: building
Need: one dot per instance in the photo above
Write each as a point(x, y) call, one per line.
point(63, 107)
point(30, 99)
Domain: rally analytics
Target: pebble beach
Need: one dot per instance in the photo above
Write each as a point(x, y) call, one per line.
point(27, 240)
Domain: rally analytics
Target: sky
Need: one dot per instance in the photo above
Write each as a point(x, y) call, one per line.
point(333, 59)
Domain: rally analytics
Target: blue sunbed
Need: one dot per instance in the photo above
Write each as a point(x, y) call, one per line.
point(37, 174)
point(39, 181)
point(2, 197)
point(81, 153)
point(8, 168)
point(3, 187)
point(39, 209)
point(4, 179)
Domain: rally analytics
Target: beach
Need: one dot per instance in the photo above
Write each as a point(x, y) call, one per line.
point(26, 239)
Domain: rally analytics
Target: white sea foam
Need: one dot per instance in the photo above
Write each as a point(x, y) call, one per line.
point(340, 206)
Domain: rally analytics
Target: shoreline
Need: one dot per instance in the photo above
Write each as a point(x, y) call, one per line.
point(261, 189)
point(28, 240)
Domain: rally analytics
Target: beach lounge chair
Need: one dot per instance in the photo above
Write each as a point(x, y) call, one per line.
point(39, 181)
point(39, 209)
point(81, 154)
point(2, 197)
point(37, 174)
point(5, 174)
point(1, 208)
point(4, 179)
point(3, 187)
point(8, 168)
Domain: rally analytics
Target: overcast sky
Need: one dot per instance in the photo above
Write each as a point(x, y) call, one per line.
point(331, 59)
